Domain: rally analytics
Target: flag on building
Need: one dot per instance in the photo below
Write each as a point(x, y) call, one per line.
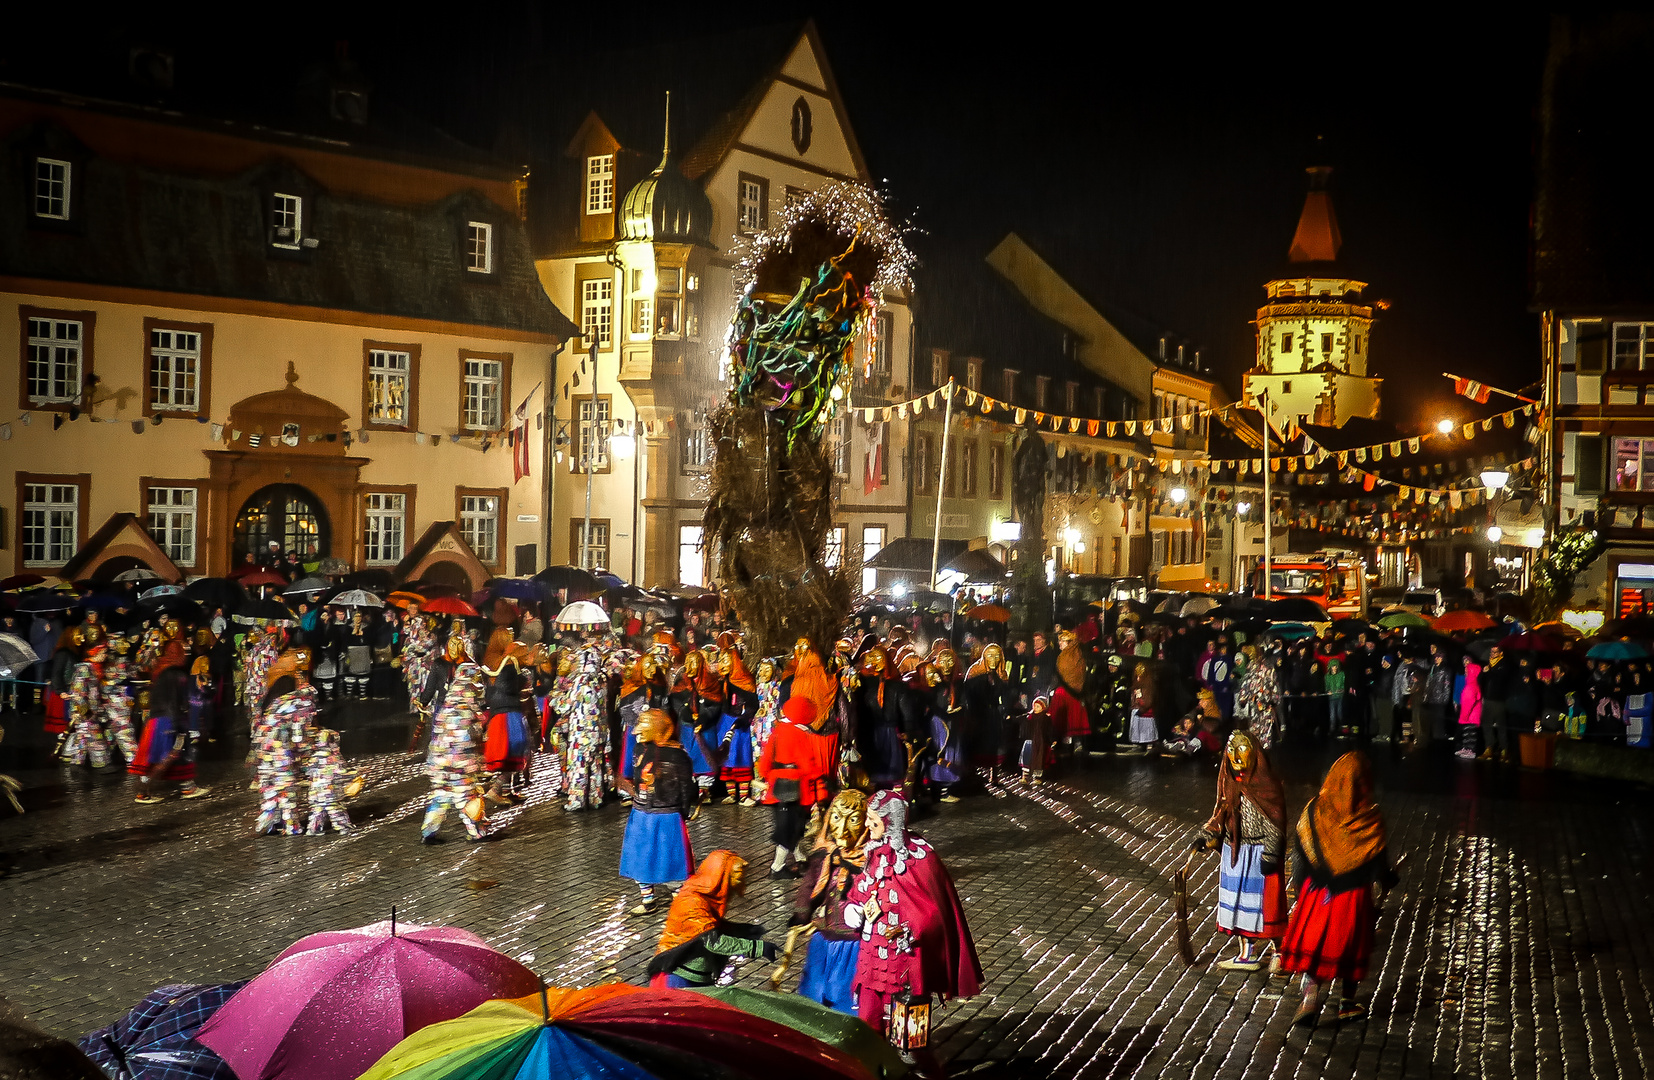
point(1472, 389)
point(873, 459)
point(519, 451)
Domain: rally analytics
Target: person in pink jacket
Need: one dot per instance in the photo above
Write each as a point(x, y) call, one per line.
point(1470, 709)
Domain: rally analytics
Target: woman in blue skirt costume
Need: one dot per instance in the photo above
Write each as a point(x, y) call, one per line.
point(656, 849)
point(735, 725)
point(835, 862)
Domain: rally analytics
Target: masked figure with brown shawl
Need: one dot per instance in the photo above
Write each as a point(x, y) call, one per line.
point(1338, 857)
point(1070, 723)
point(989, 696)
point(836, 860)
point(698, 945)
point(656, 849)
point(948, 720)
point(697, 702)
point(1249, 823)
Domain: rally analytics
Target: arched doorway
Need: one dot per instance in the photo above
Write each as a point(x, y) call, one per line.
point(448, 572)
point(290, 515)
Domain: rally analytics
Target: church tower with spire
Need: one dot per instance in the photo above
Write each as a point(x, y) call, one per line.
point(1314, 330)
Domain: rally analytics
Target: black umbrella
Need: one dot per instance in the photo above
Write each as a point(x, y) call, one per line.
point(216, 592)
point(180, 606)
point(47, 600)
point(264, 613)
point(1296, 609)
point(374, 579)
point(572, 578)
point(1352, 627)
point(308, 585)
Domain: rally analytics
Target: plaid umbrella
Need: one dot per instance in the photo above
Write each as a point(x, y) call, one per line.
point(156, 1040)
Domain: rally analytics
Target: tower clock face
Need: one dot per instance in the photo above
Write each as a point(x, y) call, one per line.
point(801, 125)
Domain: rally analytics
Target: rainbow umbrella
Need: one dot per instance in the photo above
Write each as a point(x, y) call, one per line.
point(612, 1032)
point(818, 1021)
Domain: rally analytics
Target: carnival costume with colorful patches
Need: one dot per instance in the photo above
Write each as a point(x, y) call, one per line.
point(118, 701)
point(289, 720)
point(914, 935)
point(260, 657)
point(453, 764)
point(326, 772)
point(85, 742)
point(582, 702)
point(769, 710)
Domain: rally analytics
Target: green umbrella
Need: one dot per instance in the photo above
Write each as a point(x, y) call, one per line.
point(1402, 618)
point(839, 1030)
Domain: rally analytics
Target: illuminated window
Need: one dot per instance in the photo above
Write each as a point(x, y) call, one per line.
point(754, 204)
point(872, 542)
point(833, 557)
point(388, 373)
point(691, 559)
point(600, 183)
point(591, 433)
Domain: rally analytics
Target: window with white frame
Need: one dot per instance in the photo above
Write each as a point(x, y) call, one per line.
point(287, 219)
point(479, 247)
point(643, 318)
point(754, 196)
point(691, 559)
point(51, 188)
point(973, 374)
point(385, 529)
point(996, 471)
point(484, 381)
point(51, 523)
point(591, 431)
point(479, 524)
point(600, 183)
point(697, 441)
point(174, 370)
point(389, 371)
point(1073, 397)
point(1042, 390)
point(967, 469)
point(872, 542)
point(938, 367)
point(597, 309)
point(1633, 346)
point(923, 480)
point(833, 556)
point(172, 522)
point(591, 551)
point(881, 344)
point(838, 436)
point(54, 360)
point(1008, 380)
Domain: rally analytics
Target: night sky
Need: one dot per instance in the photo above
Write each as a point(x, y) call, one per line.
point(1159, 160)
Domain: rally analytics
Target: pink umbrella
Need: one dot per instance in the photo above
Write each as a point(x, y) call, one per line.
point(335, 1002)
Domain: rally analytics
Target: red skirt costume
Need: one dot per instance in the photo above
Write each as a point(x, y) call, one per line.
point(158, 740)
point(1068, 715)
point(1330, 935)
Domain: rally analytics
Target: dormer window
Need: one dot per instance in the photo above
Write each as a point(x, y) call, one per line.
point(479, 247)
point(287, 220)
point(1042, 387)
point(973, 374)
point(600, 183)
point(754, 204)
point(51, 188)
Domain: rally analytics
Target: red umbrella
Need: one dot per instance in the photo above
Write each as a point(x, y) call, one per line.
point(1532, 641)
point(260, 577)
point(1462, 620)
point(20, 581)
point(449, 605)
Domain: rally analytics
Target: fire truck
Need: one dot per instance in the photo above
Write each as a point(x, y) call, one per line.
point(1337, 580)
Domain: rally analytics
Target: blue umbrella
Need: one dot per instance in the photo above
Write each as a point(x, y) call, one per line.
point(156, 1040)
point(518, 589)
point(1617, 650)
point(105, 601)
point(1290, 631)
point(160, 592)
point(608, 580)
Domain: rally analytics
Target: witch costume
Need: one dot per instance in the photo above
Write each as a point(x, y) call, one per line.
point(1249, 822)
point(656, 848)
point(914, 936)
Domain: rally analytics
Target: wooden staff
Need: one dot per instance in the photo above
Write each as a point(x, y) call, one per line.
point(794, 936)
point(1180, 894)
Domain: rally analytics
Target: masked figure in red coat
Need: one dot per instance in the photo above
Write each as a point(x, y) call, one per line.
point(913, 932)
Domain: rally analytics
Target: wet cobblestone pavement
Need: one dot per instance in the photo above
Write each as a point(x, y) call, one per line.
point(1519, 943)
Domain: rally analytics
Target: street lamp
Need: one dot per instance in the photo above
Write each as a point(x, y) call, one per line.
point(1494, 480)
point(1006, 532)
point(622, 445)
point(1178, 495)
point(1494, 533)
point(1243, 508)
point(1445, 427)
